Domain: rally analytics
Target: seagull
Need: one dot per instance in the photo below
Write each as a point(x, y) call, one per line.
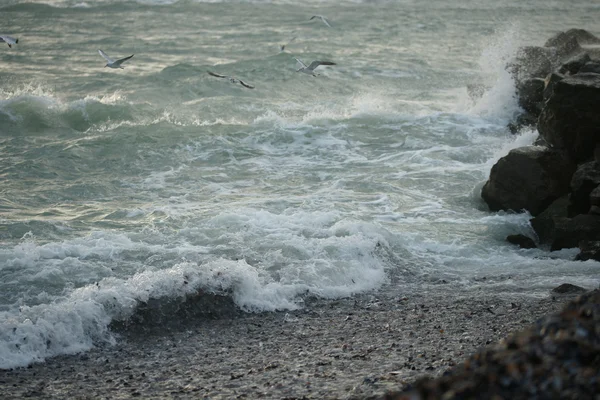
point(311, 68)
point(325, 21)
point(282, 47)
point(9, 40)
point(113, 63)
point(232, 79)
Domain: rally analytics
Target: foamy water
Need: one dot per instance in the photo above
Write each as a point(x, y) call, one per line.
point(158, 181)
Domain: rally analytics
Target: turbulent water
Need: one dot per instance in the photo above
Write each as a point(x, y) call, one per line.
point(158, 181)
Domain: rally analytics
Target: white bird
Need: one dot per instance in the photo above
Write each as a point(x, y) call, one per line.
point(322, 18)
point(232, 79)
point(113, 63)
point(311, 68)
point(8, 40)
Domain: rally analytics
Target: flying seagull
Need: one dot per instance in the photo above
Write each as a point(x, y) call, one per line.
point(9, 40)
point(322, 18)
point(282, 47)
point(311, 68)
point(232, 79)
point(113, 63)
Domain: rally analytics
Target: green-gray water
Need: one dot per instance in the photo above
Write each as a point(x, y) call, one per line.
point(157, 180)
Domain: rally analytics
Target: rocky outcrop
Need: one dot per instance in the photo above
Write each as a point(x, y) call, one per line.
point(570, 119)
point(528, 178)
point(558, 181)
point(564, 54)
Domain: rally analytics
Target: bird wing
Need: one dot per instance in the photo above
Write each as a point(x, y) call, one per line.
point(315, 64)
point(325, 21)
point(106, 57)
point(244, 84)
point(300, 61)
point(217, 75)
point(119, 61)
point(9, 40)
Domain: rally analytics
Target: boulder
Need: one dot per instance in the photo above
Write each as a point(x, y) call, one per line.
point(549, 83)
point(590, 250)
point(532, 62)
point(581, 35)
point(528, 178)
point(595, 198)
point(591, 66)
point(544, 224)
point(585, 179)
point(567, 288)
point(522, 241)
point(569, 232)
point(574, 64)
point(571, 118)
point(530, 93)
point(524, 120)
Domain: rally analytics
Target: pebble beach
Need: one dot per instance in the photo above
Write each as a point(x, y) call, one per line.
point(355, 348)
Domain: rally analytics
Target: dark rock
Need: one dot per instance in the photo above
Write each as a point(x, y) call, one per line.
point(570, 120)
point(549, 83)
point(595, 197)
point(590, 250)
point(573, 65)
point(585, 179)
point(568, 48)
point(544, 223)
point(530, 93)
point(568, 288)
point(590, 66)
point(581, 35)
point(532, 62)
point(568, 232)
point(522, 121)
point(528, 178)
point(522, 241)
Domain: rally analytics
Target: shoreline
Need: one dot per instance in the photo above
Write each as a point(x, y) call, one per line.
point(352, 348)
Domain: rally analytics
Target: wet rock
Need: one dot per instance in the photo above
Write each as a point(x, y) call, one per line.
point(570, 120)
point(522, 241)
point(585, 179)
point(528, 178)
point(573, 65)
point(591, 66)
point(530, 93)
point(532, 62)
point(544, 224)
point(569, 232)
point(567, 288)
point(590, 250)
point(581, 35)
point(549, 83)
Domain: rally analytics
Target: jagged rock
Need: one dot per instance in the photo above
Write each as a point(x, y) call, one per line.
point(524, 120)
point(549, 83)
point(595, 198)
point(568, 232)
point(573, 65)
point(590, 250)
point(531, 95)
point(571, 118)
point(590, 66)
point(544, 223)
point(585, 179)
point(522, 241)
point(581, 35)
point(567, 288)
point(532, 62)
point(528, 178)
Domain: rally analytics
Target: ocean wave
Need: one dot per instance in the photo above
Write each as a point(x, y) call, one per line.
point(34, 110)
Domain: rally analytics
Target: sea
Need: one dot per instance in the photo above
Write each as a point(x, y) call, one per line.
point(159, 182)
